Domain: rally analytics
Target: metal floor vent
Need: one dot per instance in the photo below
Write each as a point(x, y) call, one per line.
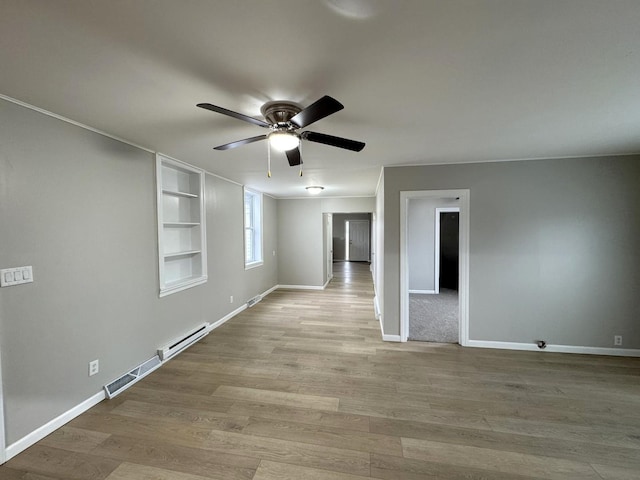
point(254, 300)
point(128, 379)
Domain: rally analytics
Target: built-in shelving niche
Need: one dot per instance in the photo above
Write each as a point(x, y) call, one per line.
point(181, 225)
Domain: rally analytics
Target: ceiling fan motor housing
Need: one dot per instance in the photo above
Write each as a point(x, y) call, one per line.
point(279, 112)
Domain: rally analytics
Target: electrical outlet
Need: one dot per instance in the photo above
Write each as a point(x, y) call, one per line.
point(94, 367)
point(230, 298)
point(617, 340)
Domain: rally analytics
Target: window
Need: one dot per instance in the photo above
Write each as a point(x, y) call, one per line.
point(252, 229)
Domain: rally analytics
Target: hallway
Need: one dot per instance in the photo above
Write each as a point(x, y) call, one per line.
point(301, 386)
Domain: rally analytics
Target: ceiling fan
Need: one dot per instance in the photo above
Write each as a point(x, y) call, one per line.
point(284, 118)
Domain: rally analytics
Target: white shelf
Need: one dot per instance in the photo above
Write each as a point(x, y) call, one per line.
point(181, 224)
point(184, 281)
point(181, 229)
point(182, 254)
point(179, 194)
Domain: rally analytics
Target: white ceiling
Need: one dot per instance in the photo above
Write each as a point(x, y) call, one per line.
point(422, 81)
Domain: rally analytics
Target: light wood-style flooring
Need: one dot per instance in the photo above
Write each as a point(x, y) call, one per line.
point(301, 387)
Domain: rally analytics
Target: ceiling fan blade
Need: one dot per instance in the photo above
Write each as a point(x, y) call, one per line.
point(294, 157)
point(238, 143)
point(333, 141)
point(316, 111)
point(230, 113)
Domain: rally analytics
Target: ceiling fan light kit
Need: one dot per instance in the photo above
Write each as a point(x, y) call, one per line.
point(282, 141)
point(284, 118)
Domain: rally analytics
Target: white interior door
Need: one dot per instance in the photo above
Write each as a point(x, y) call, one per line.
point(358, 235)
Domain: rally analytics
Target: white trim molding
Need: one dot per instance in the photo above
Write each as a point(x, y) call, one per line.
point(385, 337)
point(49, 427)
point(272, 289)
point(391, 338)
point(2, 437)
point(226, 318)
point(302, 287)
point(463, 272)
point(423, 292)
point(532, 347)
point(238, 310)
point(73, 122)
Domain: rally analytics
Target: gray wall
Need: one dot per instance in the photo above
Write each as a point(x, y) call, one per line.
point(301, 259)
point(421, 217)
point(348, 204)
point(421, 244)
point(80, 208)
point(554, 250)
point(300, 239)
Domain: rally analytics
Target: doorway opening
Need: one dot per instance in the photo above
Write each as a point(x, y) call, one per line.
point(352, 240)
point(433, 231)
point(434, 266)
point(447, 248)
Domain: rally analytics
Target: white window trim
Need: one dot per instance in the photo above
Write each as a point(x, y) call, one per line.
point(256, 263)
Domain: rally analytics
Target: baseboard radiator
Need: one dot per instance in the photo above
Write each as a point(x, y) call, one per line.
point(179, 344)
point(125, 381)
point(253, 301)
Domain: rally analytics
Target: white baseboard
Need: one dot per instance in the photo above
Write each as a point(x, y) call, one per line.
point(423, 291)
point(227, 317)
point(376, 307)
point(272, 289)
point(388, 338)
point(49, 427)
point(532, 347)
point(391, 338)
point(302, 287)
point(241, 308)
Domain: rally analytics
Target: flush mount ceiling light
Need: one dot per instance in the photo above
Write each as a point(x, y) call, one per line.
point(314, 189)
point(284, 140)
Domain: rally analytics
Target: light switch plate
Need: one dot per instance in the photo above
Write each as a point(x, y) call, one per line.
point(16, 276)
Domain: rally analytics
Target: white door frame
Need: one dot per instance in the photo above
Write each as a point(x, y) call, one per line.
point(3, 451)
point(328, 222)
point(436, 273)
point(463, 266)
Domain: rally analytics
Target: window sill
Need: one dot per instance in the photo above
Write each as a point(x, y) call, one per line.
point(249, 266)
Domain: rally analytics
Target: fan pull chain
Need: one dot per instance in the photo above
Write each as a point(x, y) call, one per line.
point(300, 150)
point(268, 159)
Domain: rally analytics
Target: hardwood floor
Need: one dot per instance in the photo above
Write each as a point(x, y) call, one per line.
point(301, 387)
